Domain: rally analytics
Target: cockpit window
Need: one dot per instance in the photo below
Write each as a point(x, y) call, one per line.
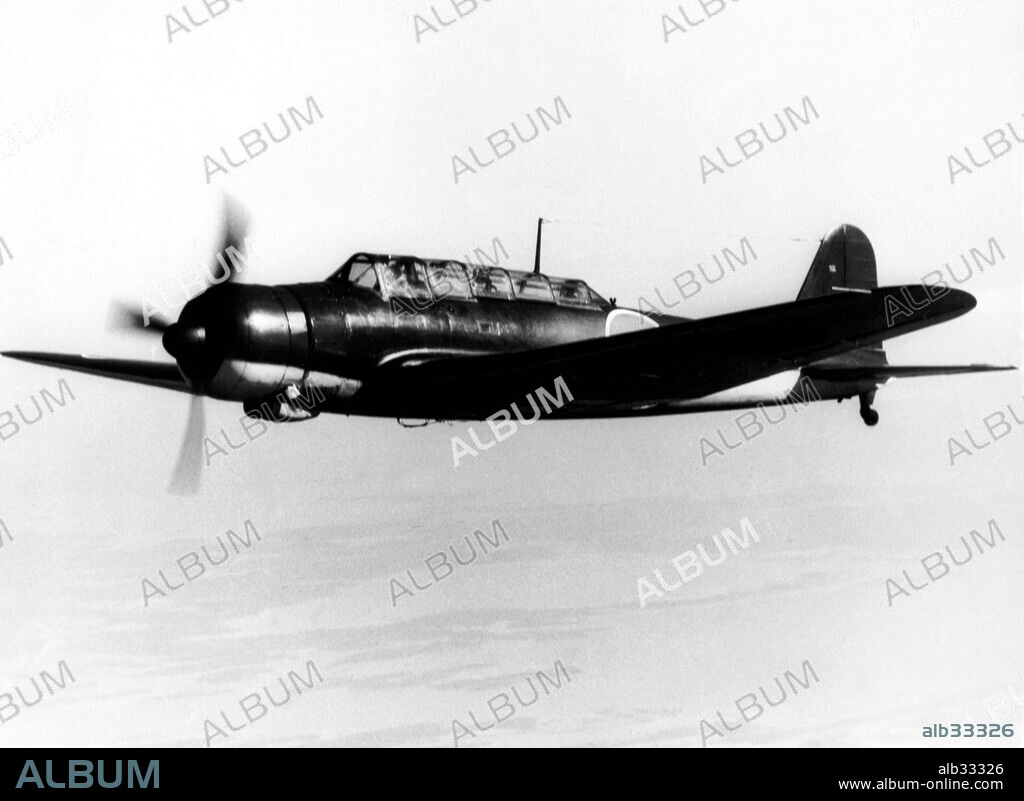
point(427, 280)
point(531, 286)
point(364, 275)
point(406, 278)
point(361, 271)
point(448, 280)
point(569, 292)
point(493, 283)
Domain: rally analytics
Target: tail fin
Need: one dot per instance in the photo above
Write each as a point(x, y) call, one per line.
point(845, 262)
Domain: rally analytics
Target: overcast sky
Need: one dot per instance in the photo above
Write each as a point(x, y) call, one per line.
point(113, 202)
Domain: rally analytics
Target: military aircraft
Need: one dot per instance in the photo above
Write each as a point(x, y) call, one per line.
point(438, 339)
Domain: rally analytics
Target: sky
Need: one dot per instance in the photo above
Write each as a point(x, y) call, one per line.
point(111, 201)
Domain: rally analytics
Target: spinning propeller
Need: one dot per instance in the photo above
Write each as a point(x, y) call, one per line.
point(188, 343)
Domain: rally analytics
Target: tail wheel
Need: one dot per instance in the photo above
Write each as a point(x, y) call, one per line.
point(867, 414)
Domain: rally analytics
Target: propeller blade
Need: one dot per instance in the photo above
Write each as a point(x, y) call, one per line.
point(188, 470)
point(234, 230)
point(129, 317)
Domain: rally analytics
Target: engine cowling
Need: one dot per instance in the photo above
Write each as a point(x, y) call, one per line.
point(249, 343)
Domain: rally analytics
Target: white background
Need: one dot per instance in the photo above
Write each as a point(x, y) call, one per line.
point(113, 202)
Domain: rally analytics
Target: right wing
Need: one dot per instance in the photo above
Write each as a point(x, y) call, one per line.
point(653, 367)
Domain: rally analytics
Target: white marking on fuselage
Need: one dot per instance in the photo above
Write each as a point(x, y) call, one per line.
point(626, 321)
point(414, 356)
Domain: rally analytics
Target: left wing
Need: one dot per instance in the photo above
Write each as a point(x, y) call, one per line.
point(154, 374)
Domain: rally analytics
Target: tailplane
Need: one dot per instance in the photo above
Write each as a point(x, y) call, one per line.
point(845, 262)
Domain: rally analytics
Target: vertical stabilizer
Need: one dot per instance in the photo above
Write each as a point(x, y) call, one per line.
point(845, 262)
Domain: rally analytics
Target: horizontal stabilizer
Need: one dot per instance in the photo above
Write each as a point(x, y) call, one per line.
point(884, 372)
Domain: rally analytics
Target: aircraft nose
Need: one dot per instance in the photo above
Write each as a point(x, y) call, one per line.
point(212, 340)
point(201, 339)
point(184, 342)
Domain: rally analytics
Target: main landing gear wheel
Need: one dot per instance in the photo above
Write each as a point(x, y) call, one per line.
point(867, 414)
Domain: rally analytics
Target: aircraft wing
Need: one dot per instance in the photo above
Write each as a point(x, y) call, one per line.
point(653, 367)
point(155, 374)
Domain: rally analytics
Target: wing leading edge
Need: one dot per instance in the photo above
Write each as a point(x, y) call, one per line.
point(647, 369)
point(154, 374)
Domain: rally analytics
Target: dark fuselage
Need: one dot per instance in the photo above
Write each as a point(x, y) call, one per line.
point(265, 338)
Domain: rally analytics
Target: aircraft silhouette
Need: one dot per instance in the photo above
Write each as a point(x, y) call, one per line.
point(436, 339)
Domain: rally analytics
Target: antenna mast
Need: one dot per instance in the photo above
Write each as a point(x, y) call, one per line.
point(536, 258)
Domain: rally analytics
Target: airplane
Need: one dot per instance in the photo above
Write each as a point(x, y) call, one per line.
point(442, 340)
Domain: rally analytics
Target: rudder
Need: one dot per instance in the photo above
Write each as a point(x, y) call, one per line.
point(845, 262)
